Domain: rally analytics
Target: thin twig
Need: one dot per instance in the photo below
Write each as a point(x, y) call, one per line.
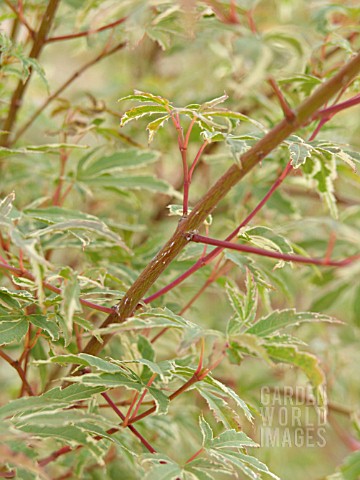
point(20, 16)
point(133, 429)
point(208, 258)
point(67, 83)
point(279, 256)
point(86, 33)
point(288, 112)
point(218, 191)
point(15, 364)
point(141, 399)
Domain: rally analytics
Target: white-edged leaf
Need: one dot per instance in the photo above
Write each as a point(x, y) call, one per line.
point(53, 399)
point(139, 112)
point(299, 152)
point(12, 331)
point(70, 303)
point(140, 96)
point(117, 162)
point(279, 319)
point(71, 226)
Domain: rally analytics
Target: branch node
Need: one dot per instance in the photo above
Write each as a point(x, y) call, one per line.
point(190, 235)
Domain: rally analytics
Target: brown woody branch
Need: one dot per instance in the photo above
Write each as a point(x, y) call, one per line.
point(303, 114)
point(38, 44)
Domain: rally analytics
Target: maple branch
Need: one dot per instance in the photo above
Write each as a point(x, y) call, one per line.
point(38, 44)
point(338, 107)
point(86, 33)
point(67, 449)
point(303, 114)
point(131, 427)
point(268, 253)
point(210, 256)
point(21, 17)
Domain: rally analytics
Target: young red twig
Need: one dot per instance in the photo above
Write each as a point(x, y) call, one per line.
point(251, 21)
point(141, 399)
point(20, 15)
point(67, 449)
point(230, 18)
point(3, 261)
point(279, 256)
point(216, 272)
point(196, 454)
point(183, 152)
point(288, 112)
point(26, 353)
point(91, 31)
point(197, 158)
point(201, 357)
point(16, 365)
point(187, 136)
point(26, 274)
point(131, 406)
point(252, 157)
point(328, 112)
point(208, 258)
point(133, 429)
point(196, 377)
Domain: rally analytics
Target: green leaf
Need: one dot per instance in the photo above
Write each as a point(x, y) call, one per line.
point(70, 303)
point(307, 362)
point(145, 97)
point(121, 378)
point(53, 399)
point(7, 299)
point(117, 162)
point(86, 360)
point(206, 432)
point(46, 324)
point(244, 306)
point(228, 114)
point(247, 464)
point(350, 468)
point(232, 439)
point(12, 331)
point(299, 152)
point(249, 344)
point(140, 182)
point(265, 237)
point(164, 471)
point(279, 319)
point(155, 317)
point(154, 126)
point(71, 434)
point(71, 226)
point(138, 112)
point(213, 103)
point(320, 170)
point(219, 388)
point(220, 409)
